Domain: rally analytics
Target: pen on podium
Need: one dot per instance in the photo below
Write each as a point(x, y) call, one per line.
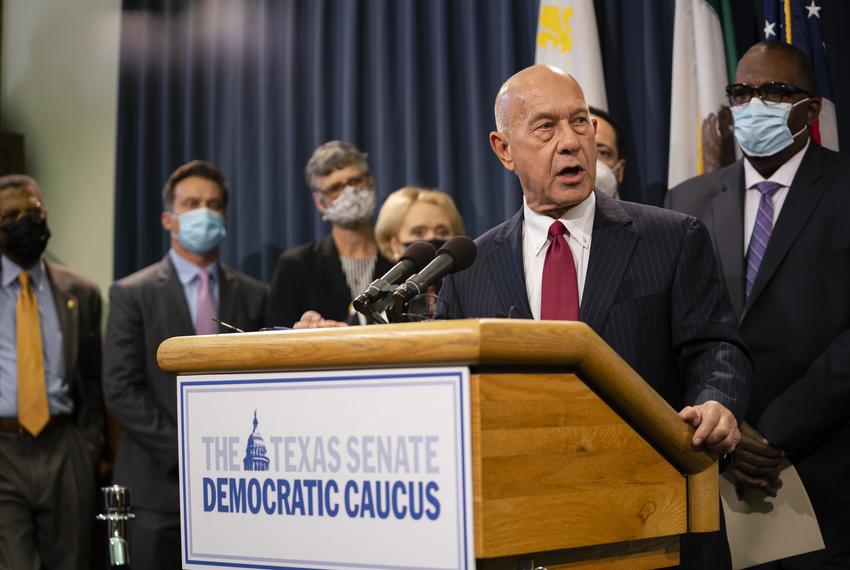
point(227, 325)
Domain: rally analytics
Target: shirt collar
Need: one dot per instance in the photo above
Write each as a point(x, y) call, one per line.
point(188, 271)
point(11, 270)
point(784, 175)
point(578, 220)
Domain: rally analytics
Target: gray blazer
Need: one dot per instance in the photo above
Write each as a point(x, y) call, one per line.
point(146, 308)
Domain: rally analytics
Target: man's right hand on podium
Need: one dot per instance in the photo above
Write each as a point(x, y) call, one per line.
point(716, 426)
point(313, 320)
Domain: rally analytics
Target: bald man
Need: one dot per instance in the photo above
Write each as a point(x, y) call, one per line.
point(645, 279)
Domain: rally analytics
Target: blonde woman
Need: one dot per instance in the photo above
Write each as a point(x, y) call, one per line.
point(416, 214)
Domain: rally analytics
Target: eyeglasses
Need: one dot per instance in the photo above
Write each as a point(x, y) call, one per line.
point(332, 192)
point(773, 92)
point(37, 213)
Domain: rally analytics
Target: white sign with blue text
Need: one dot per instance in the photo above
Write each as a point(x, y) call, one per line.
point(338, 470)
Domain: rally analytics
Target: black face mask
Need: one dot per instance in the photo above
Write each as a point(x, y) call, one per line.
point(437, 243)
point(25, 240)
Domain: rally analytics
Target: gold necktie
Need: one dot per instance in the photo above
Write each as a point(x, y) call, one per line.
point(33, 412)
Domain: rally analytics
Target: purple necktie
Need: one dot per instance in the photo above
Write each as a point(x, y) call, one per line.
point(761, 231)
point(205, 307)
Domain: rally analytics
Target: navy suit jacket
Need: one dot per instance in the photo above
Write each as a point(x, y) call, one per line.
point(796, 323)
point(310, 277)
point(653, 292)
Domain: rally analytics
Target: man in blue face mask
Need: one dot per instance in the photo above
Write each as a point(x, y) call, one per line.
point(183, 294)
point(780, 224)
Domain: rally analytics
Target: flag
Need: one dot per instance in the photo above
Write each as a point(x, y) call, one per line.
point(567, 38)
point(797, 22)
point(700, 137)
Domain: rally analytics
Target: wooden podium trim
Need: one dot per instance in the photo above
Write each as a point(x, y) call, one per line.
point(567, 346)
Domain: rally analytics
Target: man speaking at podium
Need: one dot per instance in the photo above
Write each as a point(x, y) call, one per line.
point(645, 279)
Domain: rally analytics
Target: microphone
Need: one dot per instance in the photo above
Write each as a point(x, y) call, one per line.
point(456, 255)
point(415, 257)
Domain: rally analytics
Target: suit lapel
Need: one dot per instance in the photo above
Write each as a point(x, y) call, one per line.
point(611, 248)
point(172, 289)
point(727, 229)
point(505, 262)
point(68, 310)
point(334, 276)
point(228, 290)
point(802, 198)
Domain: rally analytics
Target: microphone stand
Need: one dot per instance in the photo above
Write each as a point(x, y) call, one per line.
point(116, 503)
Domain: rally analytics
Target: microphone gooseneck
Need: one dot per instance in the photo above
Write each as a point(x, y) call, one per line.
point(378, 296)
point(456, 255)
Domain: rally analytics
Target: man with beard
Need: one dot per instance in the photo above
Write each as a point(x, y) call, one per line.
point(324, 276)
point(51, 402)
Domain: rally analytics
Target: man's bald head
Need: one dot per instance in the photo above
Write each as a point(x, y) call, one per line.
point(794, 62)
point(514, 89)
point(546, 137)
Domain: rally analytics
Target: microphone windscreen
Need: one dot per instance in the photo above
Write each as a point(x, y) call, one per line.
point(421, 253)
point(462, 249)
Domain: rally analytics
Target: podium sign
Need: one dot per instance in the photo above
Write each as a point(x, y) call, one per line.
point(339, 470)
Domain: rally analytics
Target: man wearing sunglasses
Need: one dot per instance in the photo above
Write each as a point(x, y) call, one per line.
point(780, 224)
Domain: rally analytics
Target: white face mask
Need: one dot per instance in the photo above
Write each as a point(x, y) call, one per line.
point(606, 180)
point(353, 207)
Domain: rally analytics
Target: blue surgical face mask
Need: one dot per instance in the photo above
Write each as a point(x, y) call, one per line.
point(201, 230)
point(762, 128)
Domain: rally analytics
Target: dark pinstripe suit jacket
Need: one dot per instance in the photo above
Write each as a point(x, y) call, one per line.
point(653, 291)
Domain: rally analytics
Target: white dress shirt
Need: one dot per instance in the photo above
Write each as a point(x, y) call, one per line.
point(784, 175)
point(535, 241)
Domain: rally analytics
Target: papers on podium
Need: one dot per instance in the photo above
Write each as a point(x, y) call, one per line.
point(761, 528)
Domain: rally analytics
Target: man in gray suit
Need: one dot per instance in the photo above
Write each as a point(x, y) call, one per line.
point(51, 403)
point(177, 296)
point(645, 279)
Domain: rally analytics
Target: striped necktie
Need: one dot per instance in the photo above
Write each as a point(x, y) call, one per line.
point(761, 231)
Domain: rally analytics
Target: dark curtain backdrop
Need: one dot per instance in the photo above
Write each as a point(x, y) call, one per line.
point(254, 86)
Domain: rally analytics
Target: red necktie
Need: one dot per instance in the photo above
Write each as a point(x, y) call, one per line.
point(559, 299)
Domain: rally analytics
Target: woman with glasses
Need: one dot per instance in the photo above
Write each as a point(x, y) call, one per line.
point(325, 275)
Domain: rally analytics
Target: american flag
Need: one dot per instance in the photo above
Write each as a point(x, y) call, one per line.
point(797, 22)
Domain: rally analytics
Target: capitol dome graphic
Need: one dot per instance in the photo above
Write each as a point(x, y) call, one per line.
point(255, 451)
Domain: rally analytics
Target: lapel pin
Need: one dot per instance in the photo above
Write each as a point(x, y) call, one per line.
point(71, 304)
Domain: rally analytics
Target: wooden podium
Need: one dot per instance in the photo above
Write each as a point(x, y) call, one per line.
point(577, 462)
